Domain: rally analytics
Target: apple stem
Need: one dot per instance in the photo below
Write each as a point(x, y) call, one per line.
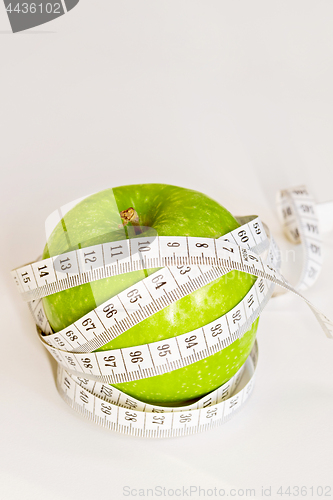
point(130, 215)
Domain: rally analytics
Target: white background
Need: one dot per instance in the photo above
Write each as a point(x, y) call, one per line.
point(233, 99)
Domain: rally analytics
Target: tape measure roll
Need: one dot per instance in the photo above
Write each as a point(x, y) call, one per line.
point(83, 375)
point(298, 215)
point(126, 415)
point(49, 276)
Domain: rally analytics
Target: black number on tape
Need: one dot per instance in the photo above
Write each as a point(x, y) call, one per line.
point(109, 310)
point(90, 259)
point(88, 324)
point(312, 271)
point(106, 409)
point(136, 357)
point(190, 341)
point(158, 420)
point(84, 397)
point(164, 350)
point(70, 360)
point(207, 403)
point(184, 418)
point(130, 404)
point(158, 281)
point(117, 253)
point(42, 273)
point(307, 208)
point(216, 330)
point(313, 228)
point(211, 412)
point(67, 383)
point(236, 316)
point(286, 212)
point(71, 335)
point(145, 247)
point(26, 279)
point(87, 363)
point(131, 416)
point(63, 267)
point(225, 393)
point(233, 402)
point(250, 300)
point(110, 361)
point(315, 248)
point(40, 317)
point(261, 286)
point(83, 381)
point(184, 271)
point(243, 236)
point(107, 391)
point(134, 295)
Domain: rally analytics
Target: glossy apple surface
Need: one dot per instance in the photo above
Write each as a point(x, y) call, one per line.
point(170, 211)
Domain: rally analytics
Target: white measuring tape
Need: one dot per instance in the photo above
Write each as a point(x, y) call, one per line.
point(83, 375)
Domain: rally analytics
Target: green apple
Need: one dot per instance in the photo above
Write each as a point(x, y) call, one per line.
point(170, 211)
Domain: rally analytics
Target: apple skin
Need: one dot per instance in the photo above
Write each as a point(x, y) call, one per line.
point(171, 211)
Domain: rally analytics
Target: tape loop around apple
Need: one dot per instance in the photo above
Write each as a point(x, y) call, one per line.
point(181, 352)
point(117, 411)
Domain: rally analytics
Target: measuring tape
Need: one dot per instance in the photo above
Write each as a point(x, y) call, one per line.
point(83, 375)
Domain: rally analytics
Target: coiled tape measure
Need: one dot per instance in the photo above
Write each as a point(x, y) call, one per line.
point(84, 376)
